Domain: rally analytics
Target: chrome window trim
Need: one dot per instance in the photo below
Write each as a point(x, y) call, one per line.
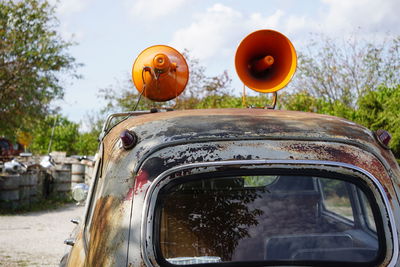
point(151, 197)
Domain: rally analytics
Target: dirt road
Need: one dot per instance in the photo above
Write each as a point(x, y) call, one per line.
point(36, 238)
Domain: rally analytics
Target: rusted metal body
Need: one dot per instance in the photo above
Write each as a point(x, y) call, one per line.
point(116, 229)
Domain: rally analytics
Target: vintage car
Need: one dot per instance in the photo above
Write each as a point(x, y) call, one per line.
point(239, 187)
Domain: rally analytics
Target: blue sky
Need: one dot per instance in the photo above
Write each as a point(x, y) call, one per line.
point(110, 34)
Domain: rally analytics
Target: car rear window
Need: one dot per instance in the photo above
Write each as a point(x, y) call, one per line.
point(271, 218)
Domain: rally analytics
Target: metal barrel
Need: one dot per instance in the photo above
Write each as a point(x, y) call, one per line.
point(88, 174)
point(9, 191)
point(77, 174)
point(33, 185)
point(62, 179)
point(42, 188)
point(24, 189)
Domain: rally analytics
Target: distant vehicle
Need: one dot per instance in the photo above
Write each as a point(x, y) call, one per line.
point(237, 187)
point(8, 150)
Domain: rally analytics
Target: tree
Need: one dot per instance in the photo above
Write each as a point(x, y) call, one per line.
point(122, 96)
point(32, 56)
point(345, 71)
point(87, 144)
point(66, 137)
point(380, 109)
point(304, 101)
point(66, 134)
point(355, 80)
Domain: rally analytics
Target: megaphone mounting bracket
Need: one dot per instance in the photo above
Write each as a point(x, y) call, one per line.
point(274, 99)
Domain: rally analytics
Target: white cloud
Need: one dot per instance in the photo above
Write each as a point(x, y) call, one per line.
point(220, 29)
point(210, 33)
point(369, 15)
point(154, 8)
point(256, 20)
point(68, 7)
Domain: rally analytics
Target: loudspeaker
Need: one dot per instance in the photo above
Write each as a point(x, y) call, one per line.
point(160, 73)
point(265, 61)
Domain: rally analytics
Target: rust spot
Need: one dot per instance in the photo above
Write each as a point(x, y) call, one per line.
point(105, 231)
point(345, 154)
point(220, 124)
point(77, 256)
point(141, 179)
point(388, 194)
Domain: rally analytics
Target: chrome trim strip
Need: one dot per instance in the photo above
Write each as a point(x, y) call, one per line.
point(110, 117)
point(149, 202)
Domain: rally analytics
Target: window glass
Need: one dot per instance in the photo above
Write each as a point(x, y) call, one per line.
point(336, 197)
point(259, 218)
point(259, 180)
point(367, 211)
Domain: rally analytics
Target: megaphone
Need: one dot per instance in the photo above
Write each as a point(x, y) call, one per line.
point(265, 61)
point(160, 73)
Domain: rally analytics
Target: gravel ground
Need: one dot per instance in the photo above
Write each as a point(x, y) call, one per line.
point(36, 238)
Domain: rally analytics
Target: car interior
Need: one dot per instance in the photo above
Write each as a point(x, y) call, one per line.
point(267, 218)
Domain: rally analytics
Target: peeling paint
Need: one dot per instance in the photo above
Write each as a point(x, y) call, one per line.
point(170, 139)
point(141, 180)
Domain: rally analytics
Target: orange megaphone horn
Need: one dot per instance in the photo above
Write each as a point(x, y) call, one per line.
point(265, 61)
point(160, 73)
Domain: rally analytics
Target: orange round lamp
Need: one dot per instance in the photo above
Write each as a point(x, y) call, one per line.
point(160, 73)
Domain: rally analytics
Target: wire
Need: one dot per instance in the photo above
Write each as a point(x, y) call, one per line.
point(144, 87)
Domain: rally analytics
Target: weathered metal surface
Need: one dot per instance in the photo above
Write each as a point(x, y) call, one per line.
point(177, 155)
point(77, 254)
point(211, 167)
point(159, 129)
point(170, 139)
point(105, 235)
point(290, 150)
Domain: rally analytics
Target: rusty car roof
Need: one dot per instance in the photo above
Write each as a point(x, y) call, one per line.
point(201, 125)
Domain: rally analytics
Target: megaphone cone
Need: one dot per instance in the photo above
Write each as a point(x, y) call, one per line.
point(265, 61)
point(160, 73)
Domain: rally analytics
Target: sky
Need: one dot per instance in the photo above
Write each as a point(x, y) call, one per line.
point(111, 34)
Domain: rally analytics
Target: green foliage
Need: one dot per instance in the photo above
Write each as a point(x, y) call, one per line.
point(377, 109)
point(86, 144)
point(304, 101)
point(258, 181)
point(343, 71)
point(300, 101)
point(219, 101)
point(32, 55)
point(66, 137)
point(380, 109)
point(201, 91)
point(341, 81)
